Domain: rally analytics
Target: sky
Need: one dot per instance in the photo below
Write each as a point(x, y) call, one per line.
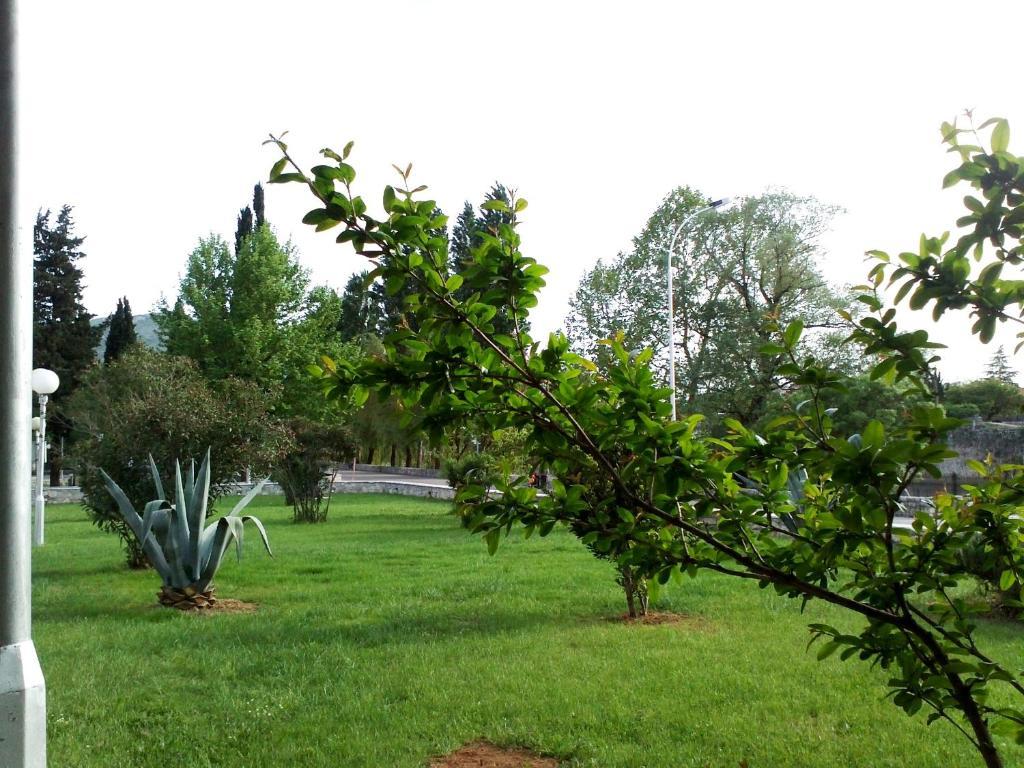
point(148, 118)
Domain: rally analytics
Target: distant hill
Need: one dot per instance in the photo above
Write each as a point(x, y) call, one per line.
point(145, 331)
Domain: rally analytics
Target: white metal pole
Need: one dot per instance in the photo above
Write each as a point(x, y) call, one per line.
point(40, 500)
point(22, 690)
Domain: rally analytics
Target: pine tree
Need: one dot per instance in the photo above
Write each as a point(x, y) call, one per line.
point(490, 220)
point(122, 332)
point(63, 338)
point(999, 368)
point(461, 241)
point(466, 235)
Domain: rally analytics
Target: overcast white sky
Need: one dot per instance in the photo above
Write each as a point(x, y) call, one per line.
point(148, 119)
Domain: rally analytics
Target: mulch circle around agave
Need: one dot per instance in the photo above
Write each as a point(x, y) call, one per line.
point(481, 754)
point(203, 603)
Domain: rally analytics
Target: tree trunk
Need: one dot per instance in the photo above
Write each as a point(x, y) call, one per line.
point(635, 587)
point(394, 455)
point(408, 455)
point(369, 454)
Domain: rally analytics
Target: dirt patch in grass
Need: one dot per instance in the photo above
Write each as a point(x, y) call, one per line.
point(480, 754)
point(230, 605)
point(222, 605)
point(658, 618)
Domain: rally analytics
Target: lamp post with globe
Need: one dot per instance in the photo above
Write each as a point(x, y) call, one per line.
point(44, 384)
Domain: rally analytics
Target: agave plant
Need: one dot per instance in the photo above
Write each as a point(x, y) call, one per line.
point(182, 548)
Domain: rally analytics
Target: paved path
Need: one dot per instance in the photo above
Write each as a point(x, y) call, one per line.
point(386, 477)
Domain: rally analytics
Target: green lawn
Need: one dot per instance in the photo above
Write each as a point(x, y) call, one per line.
point(387, 635)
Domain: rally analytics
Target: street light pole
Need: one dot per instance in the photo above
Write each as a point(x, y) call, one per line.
point(725, 202)
point(22, 690)
point(44, 384)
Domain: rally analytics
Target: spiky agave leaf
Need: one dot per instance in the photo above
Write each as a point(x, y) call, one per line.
point(157, 482)
point(218, 537)
point(149, 516)
point(179, 523)
point(197, 511)
point(244, 501)
point(153, 551)
point(188, 482)
point(262, 531)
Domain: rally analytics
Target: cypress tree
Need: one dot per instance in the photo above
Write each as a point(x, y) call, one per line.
point(63, 338)
point(122, 332)
point(244, 227)
point(258, 206)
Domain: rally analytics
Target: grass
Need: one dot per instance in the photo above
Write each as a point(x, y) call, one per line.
point(387, 635)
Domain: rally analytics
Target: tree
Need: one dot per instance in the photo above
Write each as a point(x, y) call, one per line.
point(63, 338)
point(991, 399)
point(303, 473)
point(999, 368)
point(470, 232)
point(460, 244)
point(738, 277)
point(235, 314)
point(793, 507)
point(243, 229)
point(120, 333)
point(258, 206)
point(147, 403)
point(360, 314)
point(858, 400)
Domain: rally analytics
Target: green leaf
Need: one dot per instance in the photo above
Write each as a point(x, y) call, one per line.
point(284, 178)
point(792, 333)
point(495, 205)
point(1000, 135)
point(873, 435)
point(492, 538)
point(346, 150)
point(453, 283)
point(389, 198)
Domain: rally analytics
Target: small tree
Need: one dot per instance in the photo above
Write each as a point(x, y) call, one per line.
point(147, 403)
point(795, 508)
point(304, 471)
point(999, 368)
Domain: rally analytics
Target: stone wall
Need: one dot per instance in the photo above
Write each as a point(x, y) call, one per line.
point(73, 494)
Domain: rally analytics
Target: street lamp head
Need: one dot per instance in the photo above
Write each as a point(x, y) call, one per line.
point(723, 205)
point(44, 381)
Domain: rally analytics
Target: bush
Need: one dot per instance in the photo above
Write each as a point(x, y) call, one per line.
point(301, 472)
point(148, 403)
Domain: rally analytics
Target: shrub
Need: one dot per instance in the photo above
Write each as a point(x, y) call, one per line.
point(301, 472)
point(150, 404)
